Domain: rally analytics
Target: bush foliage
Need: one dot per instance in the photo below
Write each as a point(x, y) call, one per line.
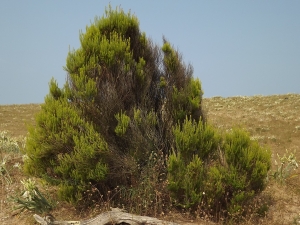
point(215, 173)
point(126, 100)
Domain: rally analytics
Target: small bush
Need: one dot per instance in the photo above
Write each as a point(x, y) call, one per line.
point(195, 144)
point(65, 145)
point(224, 183)
point(286, 167)
point(127, 102)
point(31, 199)
point(7, 143)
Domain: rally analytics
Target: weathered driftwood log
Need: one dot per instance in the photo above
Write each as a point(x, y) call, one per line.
point(116, 216)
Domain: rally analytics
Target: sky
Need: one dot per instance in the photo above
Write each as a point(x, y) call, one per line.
point(237, 48)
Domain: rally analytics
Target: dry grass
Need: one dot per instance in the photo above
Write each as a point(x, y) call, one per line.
point(272, 120)
point(15, 118)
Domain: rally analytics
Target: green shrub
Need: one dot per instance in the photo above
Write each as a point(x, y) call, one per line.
point(186, 181)
point(245, 170)
point(66, 147)
point(224, 183)
point(195, 146)
point(123, 122)
point(122, 97)
point(247, 158)
point(126, 100)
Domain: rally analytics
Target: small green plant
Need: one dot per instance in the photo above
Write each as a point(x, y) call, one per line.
point(7, 143)
point(4, 172)
point(296, 219)
point(285, 167)
point(32, 199)
point(123, 122)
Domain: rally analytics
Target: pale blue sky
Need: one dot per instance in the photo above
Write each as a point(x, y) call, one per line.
point(236, 47)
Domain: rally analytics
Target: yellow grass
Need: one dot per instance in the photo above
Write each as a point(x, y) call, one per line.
point(15, 118)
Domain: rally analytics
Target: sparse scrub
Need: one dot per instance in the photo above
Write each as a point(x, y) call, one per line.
point(7, 143)
point(31, 198)
point(5, 177)
point(285, 167)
